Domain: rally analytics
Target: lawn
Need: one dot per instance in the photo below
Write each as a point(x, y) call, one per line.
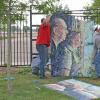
point(26, 87)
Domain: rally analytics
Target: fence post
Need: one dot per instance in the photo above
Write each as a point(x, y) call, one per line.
point(31, 33)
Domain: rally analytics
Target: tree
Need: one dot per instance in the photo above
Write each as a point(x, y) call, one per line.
point(17, 8)
point(26, 28)
point(10, 12)
point(48, 6)
point(93, 11)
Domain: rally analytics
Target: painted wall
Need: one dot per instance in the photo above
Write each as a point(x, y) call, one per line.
point(71, 38)
point(88, 49)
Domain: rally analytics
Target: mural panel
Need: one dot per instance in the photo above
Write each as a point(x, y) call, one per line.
point(65, 45)
point(88, 49)
point(69, 45)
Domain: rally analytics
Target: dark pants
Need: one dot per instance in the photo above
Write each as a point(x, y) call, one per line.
point(43, 53)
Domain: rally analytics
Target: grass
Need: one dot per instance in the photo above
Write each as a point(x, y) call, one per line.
point(23, 87)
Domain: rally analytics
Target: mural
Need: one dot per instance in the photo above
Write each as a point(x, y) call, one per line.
point(65, 43)
point(88, 49)
point(68, 44)
point(76, 89)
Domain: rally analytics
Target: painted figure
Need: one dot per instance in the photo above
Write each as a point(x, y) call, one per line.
point(71, 58)
point(57, 46)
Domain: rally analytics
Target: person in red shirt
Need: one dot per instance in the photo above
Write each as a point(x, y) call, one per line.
point(42, 44)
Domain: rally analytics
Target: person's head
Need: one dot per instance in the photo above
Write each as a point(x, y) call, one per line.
point(74, 39)
point(99, 29)
point(96, 28)
point(42, 20)
point(60, 29)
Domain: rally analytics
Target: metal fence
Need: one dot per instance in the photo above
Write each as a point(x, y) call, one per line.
point(20, 40)
point(23, 36)
point(35, 21)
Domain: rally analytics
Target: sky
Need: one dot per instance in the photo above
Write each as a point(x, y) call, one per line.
point(75, 4)
point(72, 5)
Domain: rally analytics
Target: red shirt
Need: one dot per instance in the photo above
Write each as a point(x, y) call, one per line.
point(44, 35)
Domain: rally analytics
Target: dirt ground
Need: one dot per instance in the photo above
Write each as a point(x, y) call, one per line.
point(3, 70)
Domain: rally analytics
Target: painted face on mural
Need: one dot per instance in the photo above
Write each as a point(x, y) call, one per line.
point(60, 29)
point(76, 40)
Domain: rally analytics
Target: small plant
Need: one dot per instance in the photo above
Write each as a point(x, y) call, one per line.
point(24, 70)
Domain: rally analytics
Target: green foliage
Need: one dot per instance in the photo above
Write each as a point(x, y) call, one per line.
point(3, 38)
point(26, 28)
point(93, 11)
point(48, 6)
point(16, 10)
point(24, 71)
